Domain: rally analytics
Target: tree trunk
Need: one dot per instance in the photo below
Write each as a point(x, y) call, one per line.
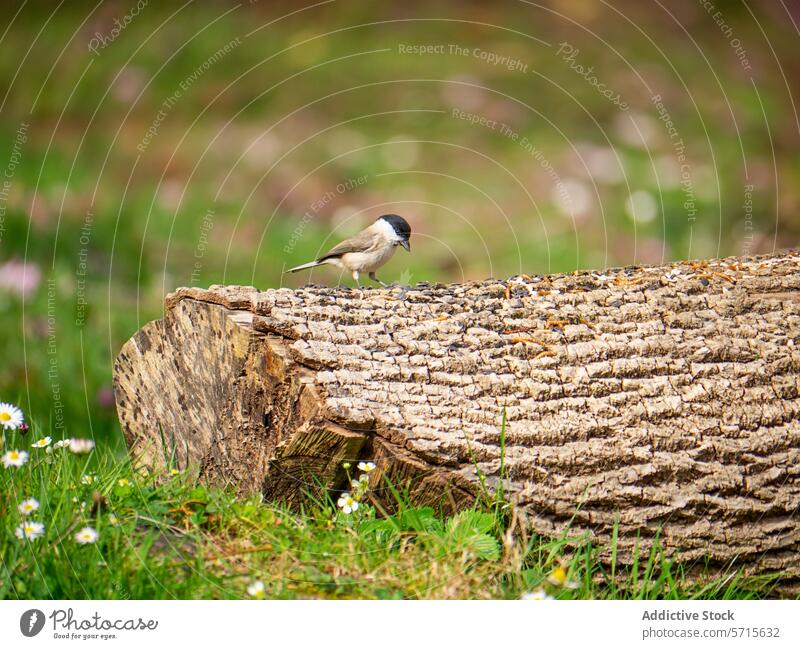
point(665, 399)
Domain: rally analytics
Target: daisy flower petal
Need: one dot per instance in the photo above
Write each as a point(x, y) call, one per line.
point(10, 416)
point(86, 535)
point(256, 589)
point(30, 530)
point(80, 446)
point(14, 458)
point(540, 594)
point(28, 506)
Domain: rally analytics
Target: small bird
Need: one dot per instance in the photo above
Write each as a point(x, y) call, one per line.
point(367, 251)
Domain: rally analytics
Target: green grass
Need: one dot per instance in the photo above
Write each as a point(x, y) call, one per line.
point(161, 535)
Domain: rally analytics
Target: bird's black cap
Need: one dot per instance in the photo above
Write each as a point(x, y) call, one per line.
point(399, 224)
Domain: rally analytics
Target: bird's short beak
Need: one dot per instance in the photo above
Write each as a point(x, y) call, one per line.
point(406, 245)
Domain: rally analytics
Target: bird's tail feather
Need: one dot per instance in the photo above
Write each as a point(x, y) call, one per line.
point(310, 264)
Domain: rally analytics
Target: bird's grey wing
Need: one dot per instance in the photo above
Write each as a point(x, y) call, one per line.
point(362, 242)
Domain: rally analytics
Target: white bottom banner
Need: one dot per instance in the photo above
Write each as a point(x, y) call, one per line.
point(332, 624)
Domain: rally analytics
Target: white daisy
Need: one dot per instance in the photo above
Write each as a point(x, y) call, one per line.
point(15, 458)
point(42, 443)
point(347, 503)
point(256, 589)
point(30, 530)
point(10, 416)
point(87, 535)
point(87, 479)
point(540, 594)
point(28, 506)
point(80, 446)
point(366, 467)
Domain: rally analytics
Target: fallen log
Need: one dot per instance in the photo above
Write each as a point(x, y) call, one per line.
point(661, 400)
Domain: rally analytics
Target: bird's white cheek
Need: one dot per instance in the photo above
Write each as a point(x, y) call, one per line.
point(386, 230)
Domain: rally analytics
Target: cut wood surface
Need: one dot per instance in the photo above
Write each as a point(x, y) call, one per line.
point(663, 398)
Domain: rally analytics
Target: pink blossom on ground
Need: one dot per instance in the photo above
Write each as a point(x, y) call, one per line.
point(19, 278)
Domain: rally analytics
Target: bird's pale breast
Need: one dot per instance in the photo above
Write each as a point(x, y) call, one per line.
point(367, 262)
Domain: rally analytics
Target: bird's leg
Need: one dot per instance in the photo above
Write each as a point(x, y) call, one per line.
point(374, 278)
point(355, 277)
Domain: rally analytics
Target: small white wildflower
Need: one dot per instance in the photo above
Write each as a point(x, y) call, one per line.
point(15, 458)
point(30, 530)
point(347, 503)
point(87, 535)
point(80, 446)
point(87, 479)
point(363, 478)
point(113, 520)
point(256, 589)
point(540, 594)
point(10, 416)
point(62, 443)
point(42, 443)
point(124, 482)
point(366, 467)
point(28, 506)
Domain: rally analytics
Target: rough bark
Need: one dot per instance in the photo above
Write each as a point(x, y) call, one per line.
point(663, 398)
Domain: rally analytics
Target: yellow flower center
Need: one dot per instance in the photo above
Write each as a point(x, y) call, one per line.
point(14, 455)
point(4, 416)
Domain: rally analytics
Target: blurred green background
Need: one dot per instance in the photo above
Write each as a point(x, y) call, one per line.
point(151, 145)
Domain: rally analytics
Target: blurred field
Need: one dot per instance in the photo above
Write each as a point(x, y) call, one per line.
point(214, 142)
